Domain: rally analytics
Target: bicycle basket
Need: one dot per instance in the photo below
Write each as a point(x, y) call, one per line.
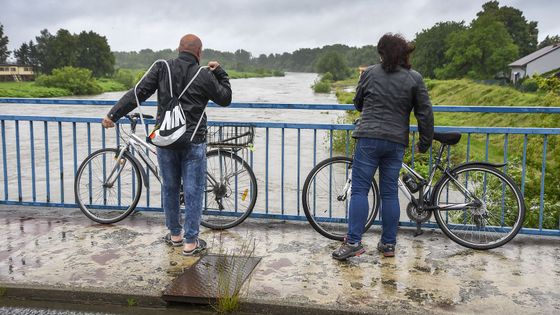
point(230, 136)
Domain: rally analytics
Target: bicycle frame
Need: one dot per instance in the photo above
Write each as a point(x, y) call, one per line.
point(425, 195)
point(140, 146)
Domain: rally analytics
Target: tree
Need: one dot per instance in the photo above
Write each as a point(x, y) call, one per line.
point(4, 52)
point(23, 54)
point(45, 59)
point(524, 33)
point(431, 45)
point(334, 63)
point(94, 53)
point(549, 40)
point(479, 52)
point(33, 56)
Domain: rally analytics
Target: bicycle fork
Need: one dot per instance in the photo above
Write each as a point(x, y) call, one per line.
point(117, 169)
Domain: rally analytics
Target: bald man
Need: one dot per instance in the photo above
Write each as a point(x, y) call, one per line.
point(188, 163)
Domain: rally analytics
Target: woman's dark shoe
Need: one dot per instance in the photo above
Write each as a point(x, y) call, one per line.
point(169, 241)
point(200, 247)
point(388, 250)
point(346, 251)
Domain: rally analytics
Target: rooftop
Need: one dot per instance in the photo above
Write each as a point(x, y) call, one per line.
point(535, 55)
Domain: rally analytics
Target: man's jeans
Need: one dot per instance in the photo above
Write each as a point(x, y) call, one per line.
point(190, 164)
point(371, 154)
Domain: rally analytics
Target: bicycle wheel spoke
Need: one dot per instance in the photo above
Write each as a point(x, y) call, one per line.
point(492, 218)
point(98, 200)
point(326, 197)
point(230, 193)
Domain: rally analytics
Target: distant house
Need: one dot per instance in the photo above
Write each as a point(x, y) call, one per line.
point(541, 61)
point(10, 72)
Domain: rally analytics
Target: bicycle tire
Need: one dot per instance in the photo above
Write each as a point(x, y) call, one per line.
point(219, 220)
point(111, 213)
point(493, 179)
point(307, 203)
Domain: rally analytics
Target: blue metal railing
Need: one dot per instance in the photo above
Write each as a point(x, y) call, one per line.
point(40, 155)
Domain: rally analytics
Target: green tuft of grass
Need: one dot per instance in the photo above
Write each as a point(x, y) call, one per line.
point(230, 283)
point(131, 302)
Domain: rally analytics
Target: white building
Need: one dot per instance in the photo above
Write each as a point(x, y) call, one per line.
point(541, 61)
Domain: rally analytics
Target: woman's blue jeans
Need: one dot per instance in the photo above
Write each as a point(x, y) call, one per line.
point(370, 155)
point(190, 165)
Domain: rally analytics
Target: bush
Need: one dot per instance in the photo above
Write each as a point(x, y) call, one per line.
point(551, 84)
point(327, 77)
point(79, 81)
point(125, 77)
point(529, 85)
point(334, 63)
point(322, 87)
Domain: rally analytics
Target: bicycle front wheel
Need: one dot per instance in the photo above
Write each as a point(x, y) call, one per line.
point(326, 198)
point(107, 189)
point(231, 190)
point(489, 216)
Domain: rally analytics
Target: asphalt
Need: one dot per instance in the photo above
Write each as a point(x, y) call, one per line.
point(58, 255)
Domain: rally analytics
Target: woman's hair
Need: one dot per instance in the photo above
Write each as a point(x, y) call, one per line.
point(394, 51)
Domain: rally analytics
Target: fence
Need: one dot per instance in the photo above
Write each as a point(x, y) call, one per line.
point(41, 154)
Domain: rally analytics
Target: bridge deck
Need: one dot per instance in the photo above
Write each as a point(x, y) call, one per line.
point(59, 250)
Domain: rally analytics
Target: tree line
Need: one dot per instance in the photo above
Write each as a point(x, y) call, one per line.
point(498, 36)
point(480, 50)
point(87, 50)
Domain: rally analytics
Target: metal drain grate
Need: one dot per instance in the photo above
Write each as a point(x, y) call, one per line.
point(209, 278)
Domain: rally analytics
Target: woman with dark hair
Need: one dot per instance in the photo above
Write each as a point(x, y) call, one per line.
point(386, 95)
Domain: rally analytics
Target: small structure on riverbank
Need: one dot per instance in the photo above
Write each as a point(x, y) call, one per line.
point(12, 72)
point(540, 61)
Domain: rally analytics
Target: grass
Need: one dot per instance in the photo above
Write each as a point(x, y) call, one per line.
point(233, 74)
point(109, 85)
point(230, 283)
point(30, 89)
point(131, 302)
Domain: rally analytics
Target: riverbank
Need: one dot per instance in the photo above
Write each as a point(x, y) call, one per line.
point(30, 89)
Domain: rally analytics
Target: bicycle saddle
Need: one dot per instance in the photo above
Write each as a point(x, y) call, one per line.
point(449, 138)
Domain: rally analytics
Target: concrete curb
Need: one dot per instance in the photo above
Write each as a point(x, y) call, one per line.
point(79, 296)
point(18, 292)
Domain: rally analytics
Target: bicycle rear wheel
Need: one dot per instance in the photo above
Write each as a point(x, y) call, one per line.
point(487, 224)
point(107, 189)
point(326, 200)
point(231, 190)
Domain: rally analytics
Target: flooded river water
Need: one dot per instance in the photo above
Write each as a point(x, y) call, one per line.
point(280, 169)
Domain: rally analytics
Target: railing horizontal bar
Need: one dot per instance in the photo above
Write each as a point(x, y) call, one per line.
point(491, 130)
point(436, 108)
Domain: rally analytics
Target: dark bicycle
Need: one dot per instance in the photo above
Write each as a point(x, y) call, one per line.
point(475, 204)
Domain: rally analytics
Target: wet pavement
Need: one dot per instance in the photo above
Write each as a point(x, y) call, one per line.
point(59, 254)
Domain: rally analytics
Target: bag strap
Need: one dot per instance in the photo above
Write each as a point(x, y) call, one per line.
point(190, 82)
point(142, 78)
point(203, 112)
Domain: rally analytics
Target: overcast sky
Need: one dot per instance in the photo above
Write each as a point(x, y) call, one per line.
point(266, 26)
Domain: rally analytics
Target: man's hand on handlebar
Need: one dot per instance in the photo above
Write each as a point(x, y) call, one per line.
point(107, 123)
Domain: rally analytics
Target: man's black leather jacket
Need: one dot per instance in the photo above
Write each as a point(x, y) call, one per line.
point(386, 100)
point(209, 85)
